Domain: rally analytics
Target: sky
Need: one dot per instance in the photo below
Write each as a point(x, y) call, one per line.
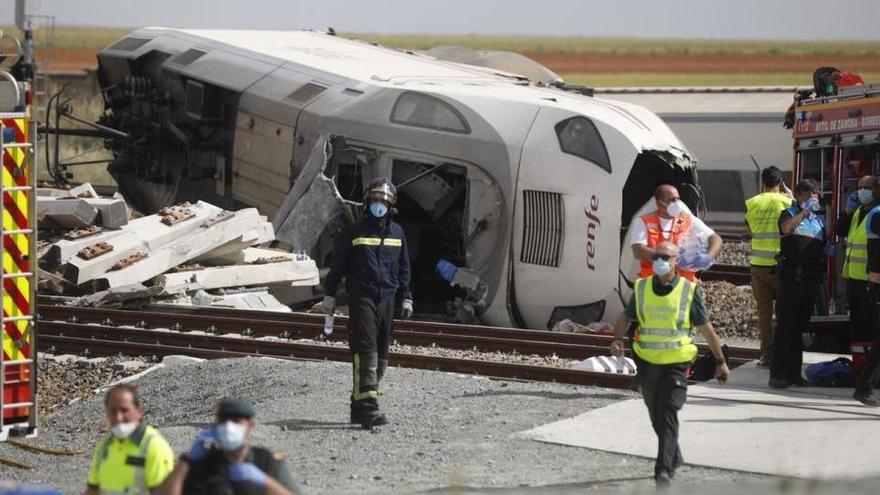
point(728, 19)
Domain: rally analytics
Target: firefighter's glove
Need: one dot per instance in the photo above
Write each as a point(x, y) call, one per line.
point(245, 472)
point(702, 262)
point(204, 441)
point(406, 309)
point(327, 306)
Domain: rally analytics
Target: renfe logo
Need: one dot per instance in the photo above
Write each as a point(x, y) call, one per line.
point(593, 224)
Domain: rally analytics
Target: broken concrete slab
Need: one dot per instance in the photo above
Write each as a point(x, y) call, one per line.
point(288, 273)
point(84, 191)
point(143, 235)
point(67, 213)
point(112, 213)
point(245, 256)
point(160, 259)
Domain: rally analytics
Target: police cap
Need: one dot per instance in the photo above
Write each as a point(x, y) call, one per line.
point(232, 408)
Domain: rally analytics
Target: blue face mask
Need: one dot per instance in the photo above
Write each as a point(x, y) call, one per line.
point(661, 267)
point(378, 209)
point(866, 196)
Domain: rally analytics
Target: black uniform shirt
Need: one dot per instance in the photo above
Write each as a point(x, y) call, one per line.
point(210, 476)
point(802, 250)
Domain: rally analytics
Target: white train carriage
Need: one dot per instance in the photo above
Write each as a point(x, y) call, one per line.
point(530, 188)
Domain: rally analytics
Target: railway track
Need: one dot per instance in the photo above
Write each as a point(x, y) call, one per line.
point(735, 274)
point(216, 333)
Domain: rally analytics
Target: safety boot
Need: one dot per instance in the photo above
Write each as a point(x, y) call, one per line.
point(866, 397)
point(364, 394)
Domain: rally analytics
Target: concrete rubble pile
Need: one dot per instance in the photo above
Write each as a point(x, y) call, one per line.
point(79, 207)
point(184, 254)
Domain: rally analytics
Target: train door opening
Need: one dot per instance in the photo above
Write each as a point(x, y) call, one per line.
point(432, 209)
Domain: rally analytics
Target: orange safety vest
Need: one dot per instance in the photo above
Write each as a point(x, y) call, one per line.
point(680, 225)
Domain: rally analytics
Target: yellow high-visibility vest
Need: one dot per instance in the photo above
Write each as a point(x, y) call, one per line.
point(855, 267)
point(665, 332)
point(133, 465)
point(762, 215)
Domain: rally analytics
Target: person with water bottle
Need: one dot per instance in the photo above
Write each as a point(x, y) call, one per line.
point(801, 267)
point(672, 221)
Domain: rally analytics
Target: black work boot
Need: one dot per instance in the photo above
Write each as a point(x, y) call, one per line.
point(380, 370)
point(364, 395)
point(866, 397)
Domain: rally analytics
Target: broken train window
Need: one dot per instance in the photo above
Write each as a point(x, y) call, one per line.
point(421, 110)
point(578, 136)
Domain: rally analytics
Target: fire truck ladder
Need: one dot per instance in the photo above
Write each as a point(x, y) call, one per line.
point(18, 370)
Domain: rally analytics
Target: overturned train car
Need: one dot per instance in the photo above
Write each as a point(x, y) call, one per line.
point(529, 189)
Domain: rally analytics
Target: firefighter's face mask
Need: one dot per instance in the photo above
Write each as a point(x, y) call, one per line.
point(378, 209)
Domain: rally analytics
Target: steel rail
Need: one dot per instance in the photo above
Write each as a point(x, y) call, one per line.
point(105, 340)
point(306, 326)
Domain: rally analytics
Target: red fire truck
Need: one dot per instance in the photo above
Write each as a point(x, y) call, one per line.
point(18, 370)
point(837, 141)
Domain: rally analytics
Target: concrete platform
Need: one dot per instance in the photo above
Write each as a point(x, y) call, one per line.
point(810, 432)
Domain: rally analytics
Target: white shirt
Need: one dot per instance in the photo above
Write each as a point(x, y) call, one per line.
point(639, 233)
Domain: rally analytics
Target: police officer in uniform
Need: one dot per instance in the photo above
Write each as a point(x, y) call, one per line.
point(134, 458)
point(762, 218)
point(668, 308)
point(801, 269)
point(222, 461)
point(371, 254)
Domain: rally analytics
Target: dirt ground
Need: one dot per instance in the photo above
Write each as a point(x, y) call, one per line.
point(598, 63)
point(563, 63)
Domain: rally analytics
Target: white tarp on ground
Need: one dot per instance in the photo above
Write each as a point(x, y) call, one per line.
point(744, 425)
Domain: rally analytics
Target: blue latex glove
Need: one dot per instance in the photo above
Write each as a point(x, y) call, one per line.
point(829, 250)
point(703, 261)
point(852, 201)
point(245, 472)
point(199, 449)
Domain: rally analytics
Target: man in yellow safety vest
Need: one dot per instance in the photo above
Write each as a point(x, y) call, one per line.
point(133, 458)
point(668, 308)
point(862, 324)
point(762, 218)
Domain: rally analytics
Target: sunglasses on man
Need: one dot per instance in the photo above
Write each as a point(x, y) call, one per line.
point(664, 257)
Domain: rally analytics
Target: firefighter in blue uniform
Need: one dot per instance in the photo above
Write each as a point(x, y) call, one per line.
point(372, 256)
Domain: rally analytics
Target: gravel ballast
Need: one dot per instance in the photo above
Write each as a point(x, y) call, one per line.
point(446, 429)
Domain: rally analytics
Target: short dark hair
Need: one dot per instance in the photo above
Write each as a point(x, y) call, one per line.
point(806, 186)
point(658, 192)
point(771, 176)
point(124, 387)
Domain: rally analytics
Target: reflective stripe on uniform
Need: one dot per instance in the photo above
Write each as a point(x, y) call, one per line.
point(660, 345)
point(376, 241)
point(763, 254)
point(666, 332)
point(356, 394)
